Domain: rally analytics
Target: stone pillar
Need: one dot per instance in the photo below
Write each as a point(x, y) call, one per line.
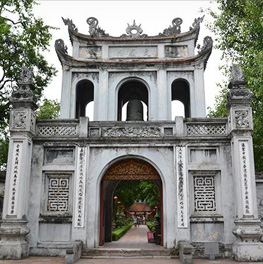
point(248, 231)
point(13, 230)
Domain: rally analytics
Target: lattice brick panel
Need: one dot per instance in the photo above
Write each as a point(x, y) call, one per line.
point(204, 193)
point(58, 194)
point(206, 129)
point(46, 131)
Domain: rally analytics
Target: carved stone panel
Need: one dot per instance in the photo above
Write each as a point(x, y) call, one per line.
point(59, 156)
point(241, 118)
point(22, 120)
point(181, 187)
point(80, 187)
point(176, 51)
point(142, 132)
point(90, 52)
point(133, 52)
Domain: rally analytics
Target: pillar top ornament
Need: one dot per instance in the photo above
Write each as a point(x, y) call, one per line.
point(238, 95)
point(23, 96)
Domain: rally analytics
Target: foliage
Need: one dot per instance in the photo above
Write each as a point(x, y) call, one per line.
point(49, 109)
point(118, 233)
point(22, 39)
point(129, 192)
point(239, 29)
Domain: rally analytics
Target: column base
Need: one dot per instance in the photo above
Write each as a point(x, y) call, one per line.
point(248, 251)
point(13, 244)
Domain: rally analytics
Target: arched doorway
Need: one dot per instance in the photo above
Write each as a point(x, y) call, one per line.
point(129, 169)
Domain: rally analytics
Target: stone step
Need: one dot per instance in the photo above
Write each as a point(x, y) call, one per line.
point(126, 253)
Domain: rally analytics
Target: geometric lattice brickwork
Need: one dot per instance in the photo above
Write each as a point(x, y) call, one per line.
point(206, 129)
point(204, 193)
point(46, 131)
point(58, 194)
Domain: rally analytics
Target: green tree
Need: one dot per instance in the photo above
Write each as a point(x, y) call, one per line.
point(238, 27)
point(23, 38)
point(129, 192)
point(49, 109)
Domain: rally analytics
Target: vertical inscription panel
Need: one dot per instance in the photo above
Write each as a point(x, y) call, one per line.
point(245, 177)
point(15, 177)
point(181, 187)
point(80, 187)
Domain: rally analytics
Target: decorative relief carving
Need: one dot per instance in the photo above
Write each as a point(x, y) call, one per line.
point(131, 169)
point(94, 132)
point(15, 177)
point(176, 51)
point(19, 120)
point(174, 29)
point(197, 22)
point(26, 75)
point(181, 188)
point(58, 194)
point(133, 30)
point(207, 45)
point(60, 46)
point(32, 122)
point(68, 22)
point(245, 174)
point(80, 187)
point(94, 29)
point(242, 119)
point(90, 52)
point(168, 131)
point(204, 193)
point(143, 132)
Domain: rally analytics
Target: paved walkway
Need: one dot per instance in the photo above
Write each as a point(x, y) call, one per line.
point(45, 260)
point(134, 238)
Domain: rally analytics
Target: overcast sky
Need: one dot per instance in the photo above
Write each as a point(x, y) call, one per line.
point(113, 16)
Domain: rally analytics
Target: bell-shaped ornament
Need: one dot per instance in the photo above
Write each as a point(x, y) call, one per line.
point(134, 110)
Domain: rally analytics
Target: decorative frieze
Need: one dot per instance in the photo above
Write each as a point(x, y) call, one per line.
point(58, 193)
point(245, 177)
point(142, 132)
point(15, 178)
point(204, 193)
point(181, 187)
point(80, 187)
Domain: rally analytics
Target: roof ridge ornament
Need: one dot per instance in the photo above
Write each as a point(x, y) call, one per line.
point(94, 29)
point(174, 29)
point(197, 22)
point(68, 22)
point(133, 30)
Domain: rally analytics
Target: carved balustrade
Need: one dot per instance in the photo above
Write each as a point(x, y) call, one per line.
point(197, 127)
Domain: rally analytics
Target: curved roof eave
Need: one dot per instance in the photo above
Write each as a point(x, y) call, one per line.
point(192, 33)
point(68, 61)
